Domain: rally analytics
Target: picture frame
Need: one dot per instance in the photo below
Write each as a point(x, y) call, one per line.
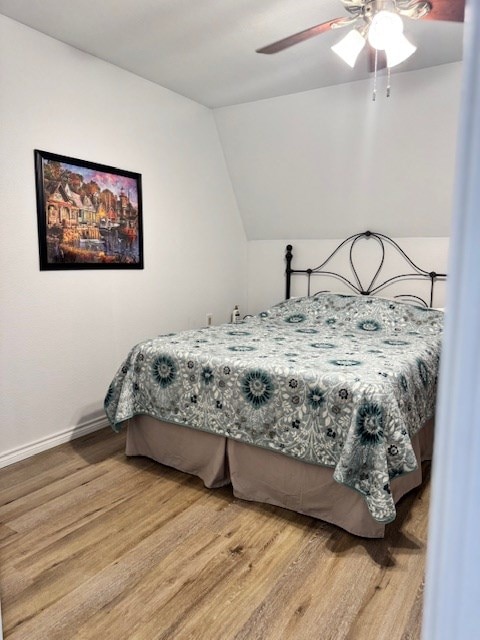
point(89, 214)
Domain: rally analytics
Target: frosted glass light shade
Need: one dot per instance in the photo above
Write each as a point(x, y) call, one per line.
point(349, 47)
point(386, 26)
point(398, 50)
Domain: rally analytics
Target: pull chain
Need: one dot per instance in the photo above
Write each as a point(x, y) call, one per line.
point(374, 95)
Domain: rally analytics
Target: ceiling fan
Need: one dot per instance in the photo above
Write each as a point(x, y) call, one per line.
point(378, 22)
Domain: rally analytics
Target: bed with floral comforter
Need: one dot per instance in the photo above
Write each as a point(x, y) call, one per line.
point(333, 380)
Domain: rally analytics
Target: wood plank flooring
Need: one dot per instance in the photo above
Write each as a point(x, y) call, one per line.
point(94, 545)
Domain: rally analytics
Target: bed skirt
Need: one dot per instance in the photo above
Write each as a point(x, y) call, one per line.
point(267, 476)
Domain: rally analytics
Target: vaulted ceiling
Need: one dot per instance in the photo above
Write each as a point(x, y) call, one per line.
point(205, 49)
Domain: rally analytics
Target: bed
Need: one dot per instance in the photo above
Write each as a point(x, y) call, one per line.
point(322, 404)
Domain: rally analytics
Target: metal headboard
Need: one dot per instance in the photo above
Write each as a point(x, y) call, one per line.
point(375, 285)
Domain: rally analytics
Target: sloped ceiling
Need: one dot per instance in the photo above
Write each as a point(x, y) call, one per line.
point(205, 49)
point(330, 162)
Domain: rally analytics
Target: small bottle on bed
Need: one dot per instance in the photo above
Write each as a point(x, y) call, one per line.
point(235, 314)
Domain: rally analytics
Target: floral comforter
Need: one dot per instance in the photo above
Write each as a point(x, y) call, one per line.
point(334, 380)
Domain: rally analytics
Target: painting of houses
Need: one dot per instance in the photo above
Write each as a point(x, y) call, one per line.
point(89, 215)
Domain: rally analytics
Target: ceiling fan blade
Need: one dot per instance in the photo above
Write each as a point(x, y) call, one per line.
point(451, 10)
point(318, 29)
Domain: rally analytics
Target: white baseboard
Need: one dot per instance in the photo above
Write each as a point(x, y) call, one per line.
point(28, 450)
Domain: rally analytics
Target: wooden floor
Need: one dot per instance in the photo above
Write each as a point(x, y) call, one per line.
point(97, 546)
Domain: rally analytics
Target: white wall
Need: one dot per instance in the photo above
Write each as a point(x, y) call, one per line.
point(266, 267)
point(63, 334)
point(452, 589)
point(329, 162)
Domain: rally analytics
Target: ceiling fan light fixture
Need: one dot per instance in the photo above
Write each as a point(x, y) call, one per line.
point(349, 47)
point(398, 50)
point(385, 28)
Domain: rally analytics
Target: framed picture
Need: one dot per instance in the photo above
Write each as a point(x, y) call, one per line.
point(89, 215)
